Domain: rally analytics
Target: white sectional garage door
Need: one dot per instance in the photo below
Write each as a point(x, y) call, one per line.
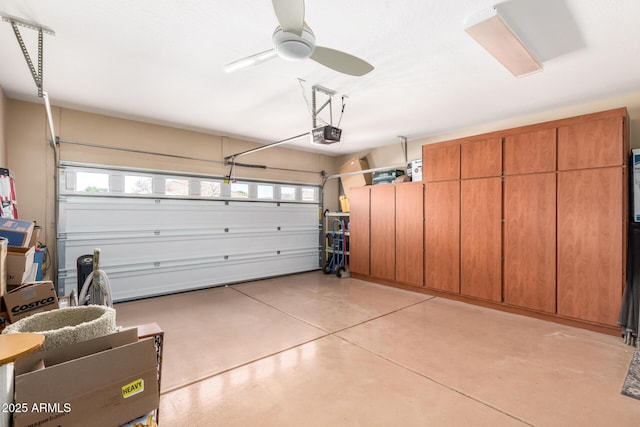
point(161, 233)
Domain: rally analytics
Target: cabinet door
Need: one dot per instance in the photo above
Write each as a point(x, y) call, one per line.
point(591, 144)
point(530, 241)
point(590, 236)
point(409, 233)
point(383, 233)
point(440, 162)
point(359, 230)
point(442, 236)
point(481, 238)
point(530, 152)
point(479, 159)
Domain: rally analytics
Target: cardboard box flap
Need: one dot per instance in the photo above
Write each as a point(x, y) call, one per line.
point(56, 356)
point(106, 388)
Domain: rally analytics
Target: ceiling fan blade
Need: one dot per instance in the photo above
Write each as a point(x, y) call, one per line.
point(340, 61)
point(250, 61)
point(290, 14)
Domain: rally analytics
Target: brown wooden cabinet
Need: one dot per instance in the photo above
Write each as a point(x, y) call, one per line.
point(442, 236)
point(561, 188)
point(592, 144)
point(409, 233)
point(530, 241)
point(481, 238)
point(441, 162)
point(382, 232)
point(590, 244)
point(480, 159)
point(359, 230)
point(530, 152)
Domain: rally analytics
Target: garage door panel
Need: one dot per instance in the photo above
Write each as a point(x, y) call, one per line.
point(156, 244)
point(131, 282)
point(162, 248)
point(113, 214)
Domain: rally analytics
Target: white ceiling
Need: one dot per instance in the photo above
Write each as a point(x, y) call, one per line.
point(162, 61)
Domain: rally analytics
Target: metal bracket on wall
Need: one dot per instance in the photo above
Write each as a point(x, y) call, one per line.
point(15, 23)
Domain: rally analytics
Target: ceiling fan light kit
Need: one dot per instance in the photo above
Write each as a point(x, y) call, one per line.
point(491, 31)
point(293, 47)
point(293, 40)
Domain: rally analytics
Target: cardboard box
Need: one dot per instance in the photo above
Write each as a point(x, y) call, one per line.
point(19, 264)
point(103, 382)
point(3, 265)
point(358, 180)
point(29, 299)
point(18, 232)
point(344, 203)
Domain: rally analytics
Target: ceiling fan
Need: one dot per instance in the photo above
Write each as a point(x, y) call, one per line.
point(293, 40)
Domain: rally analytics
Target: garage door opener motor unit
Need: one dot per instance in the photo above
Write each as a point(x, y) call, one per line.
point(325, 135)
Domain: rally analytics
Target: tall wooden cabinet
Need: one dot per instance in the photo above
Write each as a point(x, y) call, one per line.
point(481, 218)
point(383, 232)
point(442, 235)
point(359, 241)
point(592, 217)
point(531, 219)
point(590, 259)
point(480, 242)
point(409, 235)
point(441, 171)
point(530, 241)
point(386, 232)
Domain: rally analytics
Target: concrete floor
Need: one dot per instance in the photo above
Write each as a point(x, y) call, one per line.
point(315, 350)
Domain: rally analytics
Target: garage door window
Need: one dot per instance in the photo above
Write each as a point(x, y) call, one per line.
point(265, 192)
point(239, 191)
point(210, 189)
point(176, 187)
point(92, 182)
point(138, 184)
point(110, 181)
point(287, 193)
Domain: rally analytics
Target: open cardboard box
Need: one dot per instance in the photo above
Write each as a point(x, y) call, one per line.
point(107, 381)
point(354, 164)
point(19, 264)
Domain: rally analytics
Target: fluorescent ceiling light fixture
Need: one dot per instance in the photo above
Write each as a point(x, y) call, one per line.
point(492, 32)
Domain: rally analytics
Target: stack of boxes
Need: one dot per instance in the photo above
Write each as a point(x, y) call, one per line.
point(21, 295)
point(21, 241)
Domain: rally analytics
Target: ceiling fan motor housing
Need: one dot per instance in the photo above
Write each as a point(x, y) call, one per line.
point(293, 47)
